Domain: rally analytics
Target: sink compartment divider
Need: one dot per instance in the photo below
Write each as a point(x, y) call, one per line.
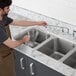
point(40, 45)
point(68, 55)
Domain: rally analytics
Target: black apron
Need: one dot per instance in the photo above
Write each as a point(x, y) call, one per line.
point(7, 66)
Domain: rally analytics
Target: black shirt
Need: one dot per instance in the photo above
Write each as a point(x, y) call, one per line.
point(5, 21)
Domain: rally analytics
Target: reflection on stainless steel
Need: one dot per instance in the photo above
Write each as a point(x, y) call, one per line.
point(32, 44)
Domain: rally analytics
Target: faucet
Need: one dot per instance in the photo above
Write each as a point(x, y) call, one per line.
point(74, 33)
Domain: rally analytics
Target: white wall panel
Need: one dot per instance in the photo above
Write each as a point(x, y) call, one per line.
point(64, 10)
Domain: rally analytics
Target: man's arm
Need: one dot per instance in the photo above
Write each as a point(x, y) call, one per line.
point(28, 23)
point(13, 44)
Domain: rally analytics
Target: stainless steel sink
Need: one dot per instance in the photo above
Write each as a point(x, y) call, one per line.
point(56, 48)
point(71, 60)
point(36, 36)
point(51, 45)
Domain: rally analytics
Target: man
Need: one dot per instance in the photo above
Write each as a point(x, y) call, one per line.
point(6, 44)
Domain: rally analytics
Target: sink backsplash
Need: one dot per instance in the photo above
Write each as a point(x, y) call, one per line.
point(55, 26)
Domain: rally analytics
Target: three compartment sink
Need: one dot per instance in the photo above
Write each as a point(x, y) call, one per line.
point(52, 46)
point(56, 48)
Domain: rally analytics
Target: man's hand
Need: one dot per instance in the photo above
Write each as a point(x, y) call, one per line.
point(14, 44)
point(26, 39)
point(42, 23)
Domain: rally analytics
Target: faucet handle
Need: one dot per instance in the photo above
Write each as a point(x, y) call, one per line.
point(74, 33)
point(65, 29)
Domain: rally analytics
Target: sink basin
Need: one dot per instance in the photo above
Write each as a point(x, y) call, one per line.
point(56, 48)
point(71, 61)
point(36, 37)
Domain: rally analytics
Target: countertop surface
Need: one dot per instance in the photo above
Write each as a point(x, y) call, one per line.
point(35, 54)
